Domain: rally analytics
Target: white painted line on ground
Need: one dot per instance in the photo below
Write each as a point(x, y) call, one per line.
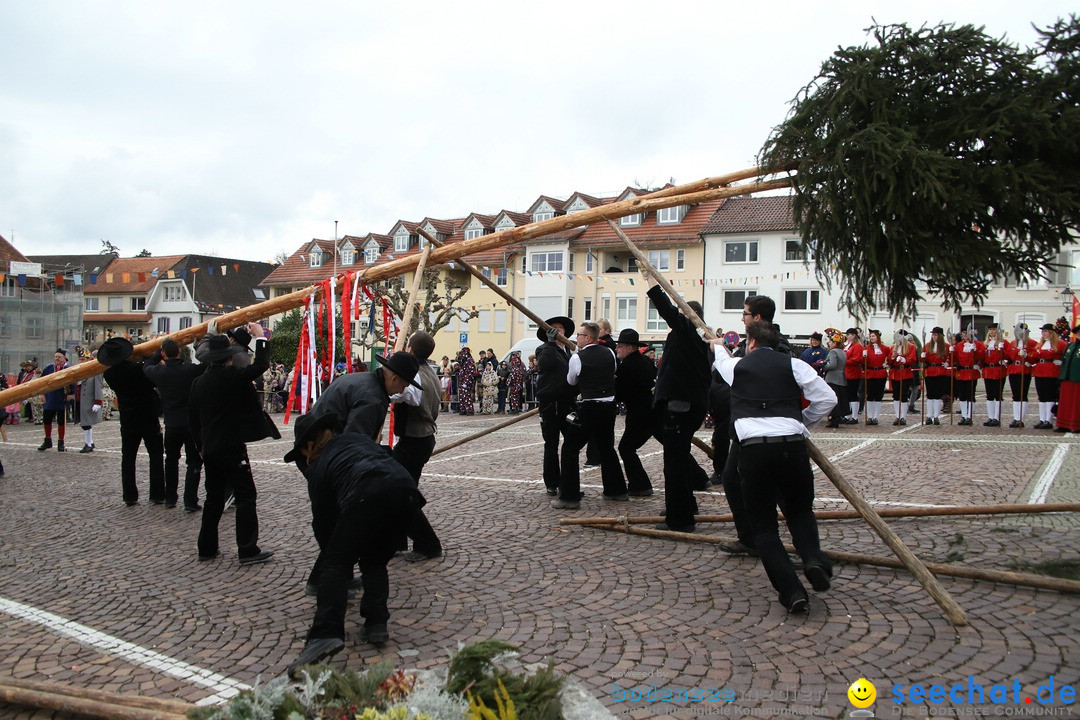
point(1042, 487)
point(483, 452)
point(849, 451)
point(901, 431)
point(223, 687)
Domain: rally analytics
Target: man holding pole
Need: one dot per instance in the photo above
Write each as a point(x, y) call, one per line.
point(767, 388)
point(554, 395)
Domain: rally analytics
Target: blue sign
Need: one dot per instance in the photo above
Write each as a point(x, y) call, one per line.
point(463, 338)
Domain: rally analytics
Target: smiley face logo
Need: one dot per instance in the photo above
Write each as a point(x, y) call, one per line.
point(862, 693)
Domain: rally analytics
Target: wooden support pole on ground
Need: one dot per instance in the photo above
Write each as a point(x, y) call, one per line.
point(560, 338)
point(954, 612)
point(697, 192)
point(703, 446)
point(486, 431)
point(410, 306)
point(911, 512)
point(1025, 579)
point(87, 703)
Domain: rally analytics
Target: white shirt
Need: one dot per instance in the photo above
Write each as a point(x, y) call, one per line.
point(814, 388)
point(411, 395)
point(574, 369)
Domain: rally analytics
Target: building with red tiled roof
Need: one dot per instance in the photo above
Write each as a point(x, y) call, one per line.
point(115, 298)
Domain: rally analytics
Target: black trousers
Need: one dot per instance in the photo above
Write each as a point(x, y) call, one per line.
point(901, 389)
point(413, 453)
point(936, 386)
point(552, 428)
point(1019, 394)
point(993, 388)
point(875, 389)
point(177, 438)
point(841, 409)
point(1047, 388)
point(965, 389)
point(367, 531)
point(148, 432)
point(233, 475)
point(596, 426)
point(681, 471)
point(638, 430)
point(779, 474)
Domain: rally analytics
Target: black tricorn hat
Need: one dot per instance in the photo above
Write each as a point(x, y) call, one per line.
point(305, 428)
point(629, 336)
point(403, 364)
point(241, 336)
point(1047, 326)
point(816, 336)
point(937, 329)
point(217, 348)
point(851, 331)
point(992, 326)
point(114, 351)
point(566, 322)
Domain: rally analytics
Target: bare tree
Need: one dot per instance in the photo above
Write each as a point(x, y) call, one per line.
point(439, 294)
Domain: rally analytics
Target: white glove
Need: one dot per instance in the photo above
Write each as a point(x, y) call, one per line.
point(1057, 362)
point(976, 366)
point(901, 359)
point(1023, 353)
point(969, 347)
point(95, 407)
point(211, 329)
point(864, 353)
point(1004, 362)
point(924, 356)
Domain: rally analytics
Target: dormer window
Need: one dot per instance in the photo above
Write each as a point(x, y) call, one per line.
point(315, 258)
point(371, 253)
point(401, 242)
point(474, 230)
point(348, 256)
point(630, 220)
point(538, 216)
point(671, 215)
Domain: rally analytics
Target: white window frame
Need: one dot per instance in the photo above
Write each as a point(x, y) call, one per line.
point(548, 263)
point(498, 321)
point(401, 242)
point(92, 304)
point(163, 324)
point(800, 254)
point(502, 277)
point(538, 216)
point(116, 304)
point(680, 260)
point(670, 215)
point(7, 288)
point(605, 305)
point(811, 294)
point(570, 262)
point(570, 307)
point(631, 264)
point(660, 259)
point(315, 258)
point(623, 306)
point(137, 304)
point(751, 249)
point(371, 254)
point(473, 233)
point(746, 293)
point(34, 328)
point(653, 322)
point(483, 321)
point(185, 322)
point(587, 309)
point(590, 263)
point(348, 257)
point(172, 293)
point(630, 220)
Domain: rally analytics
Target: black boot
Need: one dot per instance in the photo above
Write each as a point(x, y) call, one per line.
point(45, 444)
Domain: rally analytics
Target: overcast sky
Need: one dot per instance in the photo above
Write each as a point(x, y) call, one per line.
point(242, 129)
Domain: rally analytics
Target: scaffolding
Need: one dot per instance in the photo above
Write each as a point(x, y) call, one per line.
point(36, 319)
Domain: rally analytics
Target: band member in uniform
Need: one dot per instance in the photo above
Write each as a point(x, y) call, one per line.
point(634, 382)
point(592, 372)
point(967, 354)
point(853, 373)
point(1021, 355)
point(56, 403)
point(554, 396)
point(1047, 369)
point(875, 355)
point(901, 361)
point(993, 372)
point(935, 357)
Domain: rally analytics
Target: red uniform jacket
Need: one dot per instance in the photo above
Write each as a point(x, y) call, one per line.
point(1044, 366)
point(966, 360)
point(935, 365)
point(993, 361)
point(853, 367)
point(1018, 365)
point(876, 356)
point(902, 370)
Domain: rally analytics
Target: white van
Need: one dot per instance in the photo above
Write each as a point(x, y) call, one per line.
point(526, 347)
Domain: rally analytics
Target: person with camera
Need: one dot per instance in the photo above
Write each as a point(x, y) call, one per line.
point(553, 394)
point(592, 371)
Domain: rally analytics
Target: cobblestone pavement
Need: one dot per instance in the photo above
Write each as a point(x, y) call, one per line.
point(104, 596)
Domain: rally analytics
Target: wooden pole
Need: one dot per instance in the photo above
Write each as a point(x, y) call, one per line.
point(954, 612)
point(1025, 579)
point(81, 706)
point(717, 187)
point(703, 446)
point(560, 338)
point(168, 705)
point(399, 344)
point(486, 431)
point(908, 512)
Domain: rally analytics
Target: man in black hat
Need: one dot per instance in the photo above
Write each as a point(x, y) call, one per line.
point(140, 409)
point(224, 413)
point(634, 389)
point(553, 394)
point(361, 400)
point(173, 378)
point(362, 501)
point(815, 355)
point(56, 403)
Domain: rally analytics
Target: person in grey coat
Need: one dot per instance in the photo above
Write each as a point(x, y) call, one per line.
point(833, 372)
point(88, 403)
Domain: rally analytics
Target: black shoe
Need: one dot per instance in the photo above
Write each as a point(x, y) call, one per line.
point(211, 556)
point(624, 497)
point(833, 425)
point(798, 605)
point(170, 505)
point(738, 548)
point(193, 508)
point(553, 492)
point(312, 590)
point(928, 421)
point(903, 421)
point(641, 493)
point(59, 446)
point(315, 652)
point(131, 503)
point(374, 634)
point(415, 557)
point(259, 557)
point(937, 421)
point(678, 528)
point(1061, 430)
point(818, 575)
point(560, 504)
point(45, 445)
point(87, 449)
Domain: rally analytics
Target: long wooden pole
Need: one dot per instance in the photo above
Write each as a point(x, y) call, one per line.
point(952, 610)
point(559, 337)
point(410, 306)
point(1026, 579)
point(81, 706)
point(906, 512)
point(714, 189)
point(486, 431)
point(167, 705)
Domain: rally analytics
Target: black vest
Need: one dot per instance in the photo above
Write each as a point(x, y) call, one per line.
point(597, 377)
point(764, 386)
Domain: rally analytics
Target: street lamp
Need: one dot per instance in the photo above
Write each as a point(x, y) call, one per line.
point(1066, 298)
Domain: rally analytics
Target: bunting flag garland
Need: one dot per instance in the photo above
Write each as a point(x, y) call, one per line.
point(59, 278)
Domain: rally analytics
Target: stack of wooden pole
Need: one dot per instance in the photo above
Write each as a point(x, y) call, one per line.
point(85, 702)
